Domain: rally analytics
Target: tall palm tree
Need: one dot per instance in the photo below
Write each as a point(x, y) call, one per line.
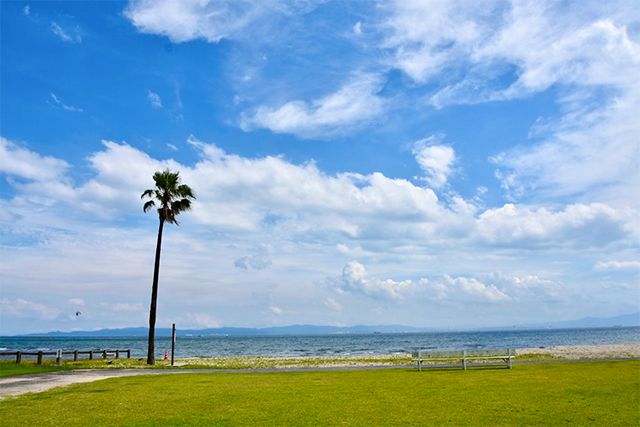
point(173, 198)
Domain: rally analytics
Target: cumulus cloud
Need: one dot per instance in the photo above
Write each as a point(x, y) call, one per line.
point(303, 203)
point(470, 287)
point(356, 279)
point(24, 163)
point(578, 225)
point(526, 288)
point(23, 308)
point(435, 160)
point(355, 102)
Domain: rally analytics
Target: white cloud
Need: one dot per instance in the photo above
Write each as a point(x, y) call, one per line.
point(469, 287)
point(256, 262)
point(58, 31)
point(333, 304)
point(514, 49)
point(201, 19)
point(617, 265)
point(356, 279)
point(203, 320)
point(526, 288)
point(27, 10)
point(301, 202)
point(546, 41)
point(122, 306)
point(354, 103)
point(23, 163)
point(427, 37)
point(435, 160)
point(23, 308)
point(276, 310)
point(593, 156)
point(154, 98)
point(578, 225)
point(308, 222)
point(357, 29)
point(66, 107)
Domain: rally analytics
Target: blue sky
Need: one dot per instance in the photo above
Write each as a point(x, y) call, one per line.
point(426, 163)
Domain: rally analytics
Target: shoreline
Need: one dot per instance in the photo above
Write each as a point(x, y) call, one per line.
point(597, 351)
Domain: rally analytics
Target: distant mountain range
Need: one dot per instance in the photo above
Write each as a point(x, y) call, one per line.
point(587, 322)
point(595, 322)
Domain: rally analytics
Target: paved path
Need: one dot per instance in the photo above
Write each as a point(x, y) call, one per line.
point(35, 383)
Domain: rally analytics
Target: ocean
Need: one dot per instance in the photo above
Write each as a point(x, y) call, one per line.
point(334, 344)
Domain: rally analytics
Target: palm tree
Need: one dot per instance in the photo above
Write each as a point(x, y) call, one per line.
point(173, 198)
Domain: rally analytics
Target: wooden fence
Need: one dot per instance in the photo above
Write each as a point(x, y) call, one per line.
point(58, 354)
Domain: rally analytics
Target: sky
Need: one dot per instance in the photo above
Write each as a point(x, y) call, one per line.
point(422, 163)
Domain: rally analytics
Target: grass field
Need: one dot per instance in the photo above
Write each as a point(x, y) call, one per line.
point(582, 394)
point(8, 367)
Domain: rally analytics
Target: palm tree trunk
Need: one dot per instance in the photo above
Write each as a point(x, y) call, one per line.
point(154, 299)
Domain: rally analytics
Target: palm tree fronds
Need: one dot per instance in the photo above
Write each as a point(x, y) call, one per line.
point(148, 205)
point(147, 193)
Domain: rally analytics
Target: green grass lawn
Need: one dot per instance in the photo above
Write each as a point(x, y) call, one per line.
point(578, 394)
point(8, 369)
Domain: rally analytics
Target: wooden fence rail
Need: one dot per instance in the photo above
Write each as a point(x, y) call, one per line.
point(104, 353)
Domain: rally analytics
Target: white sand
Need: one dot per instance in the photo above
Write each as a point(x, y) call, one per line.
point(586, 351)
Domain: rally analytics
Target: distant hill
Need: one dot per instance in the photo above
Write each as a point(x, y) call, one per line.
point(587, 322)
point(595, 322)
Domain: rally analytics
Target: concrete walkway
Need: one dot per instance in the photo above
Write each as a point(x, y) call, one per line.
point(35, 383)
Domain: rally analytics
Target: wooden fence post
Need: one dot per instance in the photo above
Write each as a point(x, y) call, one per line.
point(117, 354)
point(128, 354)
point(75, 356)
point(40, 358)
point(91, 355)
point(19, 357)
point(104, 354)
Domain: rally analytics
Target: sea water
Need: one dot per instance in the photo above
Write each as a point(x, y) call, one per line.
point(333, 344)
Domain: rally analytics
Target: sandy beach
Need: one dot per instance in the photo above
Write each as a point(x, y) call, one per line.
point(587, 351)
